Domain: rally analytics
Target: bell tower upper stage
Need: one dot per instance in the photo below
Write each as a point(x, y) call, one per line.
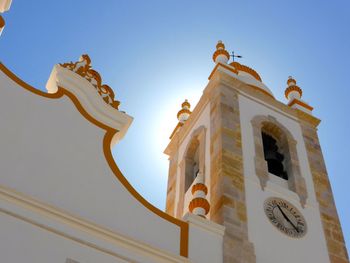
point(260, 169)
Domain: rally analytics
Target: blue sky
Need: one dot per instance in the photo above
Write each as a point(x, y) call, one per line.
point(157, 53)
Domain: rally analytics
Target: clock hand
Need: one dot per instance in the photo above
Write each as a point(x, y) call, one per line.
point(286, 217)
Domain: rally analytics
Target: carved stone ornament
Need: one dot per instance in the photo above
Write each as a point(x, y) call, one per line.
point(83, 68)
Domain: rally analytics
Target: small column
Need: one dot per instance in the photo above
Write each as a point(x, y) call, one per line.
point(293, 94)
point(199, 205)
point(221, 55)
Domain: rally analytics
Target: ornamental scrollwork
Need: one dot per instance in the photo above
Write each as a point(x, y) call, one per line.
point(83, 68)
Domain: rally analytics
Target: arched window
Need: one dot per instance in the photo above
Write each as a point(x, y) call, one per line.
point(273, 156)
point(192, 163)
point(276, 153)
point(194, 157)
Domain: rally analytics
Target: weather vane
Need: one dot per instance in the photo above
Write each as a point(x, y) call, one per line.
point(235, 56)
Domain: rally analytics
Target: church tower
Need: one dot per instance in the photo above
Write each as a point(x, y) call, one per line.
point(253, 164)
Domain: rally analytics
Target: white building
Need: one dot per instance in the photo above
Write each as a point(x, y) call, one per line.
point(247, 181)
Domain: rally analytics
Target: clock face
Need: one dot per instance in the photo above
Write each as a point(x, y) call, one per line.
point(285, 217)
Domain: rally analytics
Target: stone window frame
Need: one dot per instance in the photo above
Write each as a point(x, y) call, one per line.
point(196, 142)
point(286, 142)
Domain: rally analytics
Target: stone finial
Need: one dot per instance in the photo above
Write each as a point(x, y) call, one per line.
point(185, 112)
point(199, 205)
point(221, 55)
point(292, 91)
point(293, 94)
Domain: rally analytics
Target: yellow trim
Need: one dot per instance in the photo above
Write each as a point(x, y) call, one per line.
point(296, 101)
point(224, 66)
point(247, 69)
point(261, 90)
point(180, 124)
point(233, 70)
point(110, 132)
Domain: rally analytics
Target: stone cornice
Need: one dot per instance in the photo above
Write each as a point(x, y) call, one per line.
point(226, 78)
point(307, 118)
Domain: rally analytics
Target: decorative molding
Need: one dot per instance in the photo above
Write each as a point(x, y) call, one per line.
point(299, 102)
point(307, 119)
point(296, 181)
point(89, 98)
point(83, 68)
point(250, 71)
point(233, 72)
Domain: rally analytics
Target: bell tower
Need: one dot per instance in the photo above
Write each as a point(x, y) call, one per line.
point(253, 164)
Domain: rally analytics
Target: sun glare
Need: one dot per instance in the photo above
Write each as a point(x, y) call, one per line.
point(165, 120)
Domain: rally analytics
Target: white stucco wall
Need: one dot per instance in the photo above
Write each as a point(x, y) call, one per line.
point(50, 152)
point(35, 233)
point(205, 240)
point(271, 246)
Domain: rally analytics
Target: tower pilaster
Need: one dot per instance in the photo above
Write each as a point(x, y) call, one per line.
point(228, 205)
point(329, 216)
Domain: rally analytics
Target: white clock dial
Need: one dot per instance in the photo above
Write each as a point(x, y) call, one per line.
point(285, 217)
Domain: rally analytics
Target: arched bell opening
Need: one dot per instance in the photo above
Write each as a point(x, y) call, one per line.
point(276, 154)
point(192, 163)
point(194, 157)
point(273, 156)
